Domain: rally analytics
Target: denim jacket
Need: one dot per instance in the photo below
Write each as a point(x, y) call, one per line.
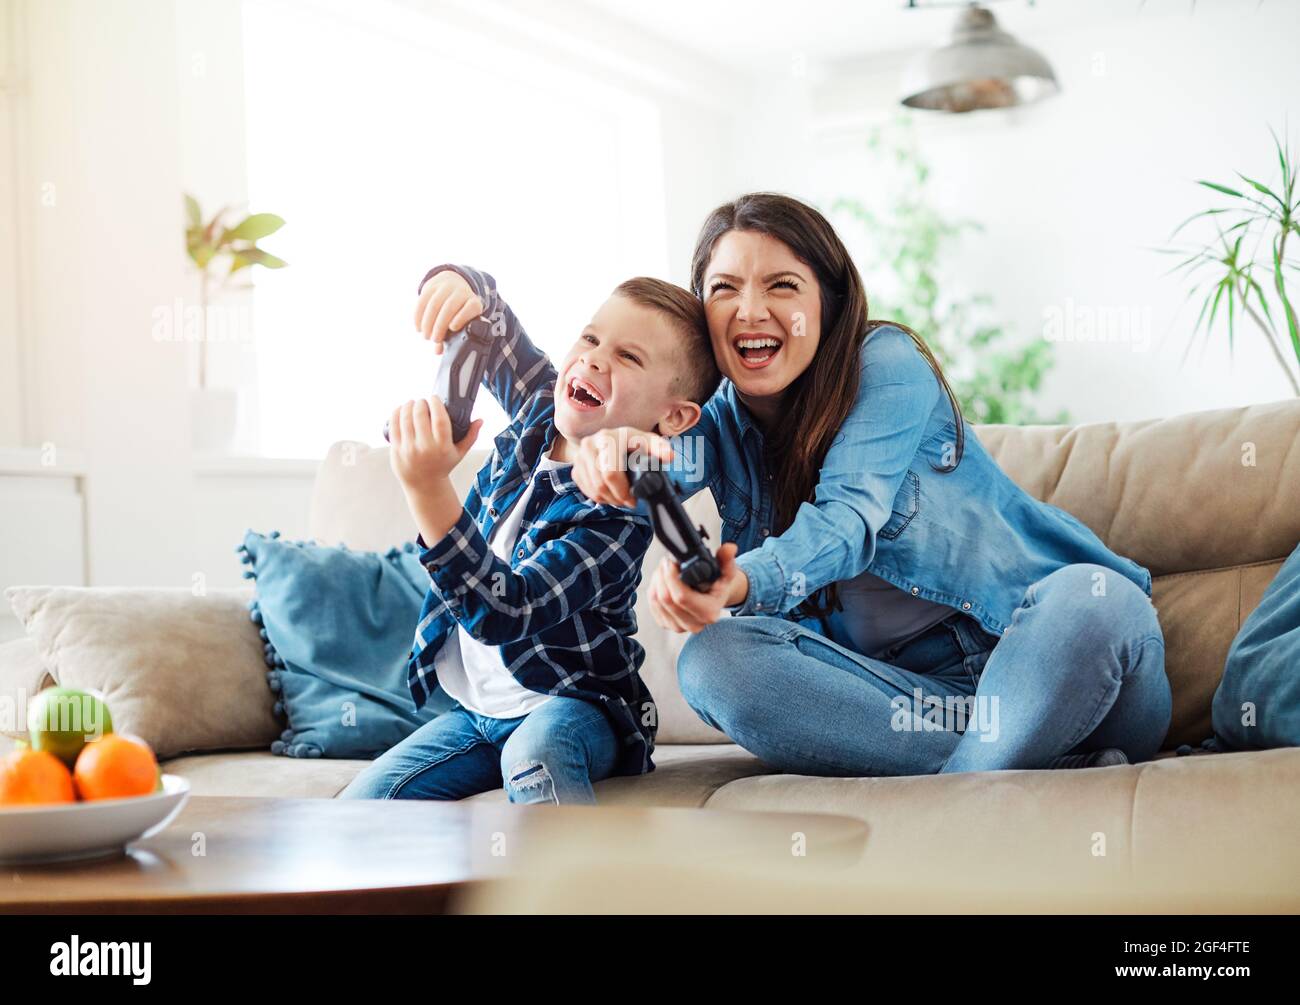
point(971, 538)
point(561, 610)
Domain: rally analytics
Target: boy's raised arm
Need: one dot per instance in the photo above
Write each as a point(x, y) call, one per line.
point(516, 368)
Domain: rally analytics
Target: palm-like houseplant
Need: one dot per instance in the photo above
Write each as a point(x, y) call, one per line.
point(1254, 235)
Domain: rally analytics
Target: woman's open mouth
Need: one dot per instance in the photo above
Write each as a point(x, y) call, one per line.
point(756, 351)
point(584, 395)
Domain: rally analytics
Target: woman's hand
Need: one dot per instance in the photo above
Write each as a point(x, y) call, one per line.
point(600, 463)
point(680, 608)
point(446, 304)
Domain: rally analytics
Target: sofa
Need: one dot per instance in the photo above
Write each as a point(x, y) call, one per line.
point(1209, 502)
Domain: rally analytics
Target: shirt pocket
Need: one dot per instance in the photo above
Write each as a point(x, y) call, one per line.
point(733, 508)
point(906, 505)
point(505, 447)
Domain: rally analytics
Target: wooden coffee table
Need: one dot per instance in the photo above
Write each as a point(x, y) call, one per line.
point(225, 855)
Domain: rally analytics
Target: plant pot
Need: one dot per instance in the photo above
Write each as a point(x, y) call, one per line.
point(214, 413)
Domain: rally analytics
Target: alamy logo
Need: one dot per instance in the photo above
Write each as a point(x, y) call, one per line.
point(926, 713)
point(1071, 322)
point(102, 959)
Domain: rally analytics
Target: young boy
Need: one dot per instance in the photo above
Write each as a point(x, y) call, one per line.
point(528, 622)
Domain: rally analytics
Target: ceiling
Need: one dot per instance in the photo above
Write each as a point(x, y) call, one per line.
point(743, 34)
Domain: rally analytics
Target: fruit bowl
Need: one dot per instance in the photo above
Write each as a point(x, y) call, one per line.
point(62, 832)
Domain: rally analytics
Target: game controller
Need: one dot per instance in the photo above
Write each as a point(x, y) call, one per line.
point(464, 361)
point(696, 564)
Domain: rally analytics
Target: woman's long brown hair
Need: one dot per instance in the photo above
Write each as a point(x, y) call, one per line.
point(823, 395)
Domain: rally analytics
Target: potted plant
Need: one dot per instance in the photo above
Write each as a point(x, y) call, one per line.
point(994, 379)
point(1250, 244)
point(219, 252)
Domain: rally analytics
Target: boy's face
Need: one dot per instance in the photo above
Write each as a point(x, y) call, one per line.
point(624, 370)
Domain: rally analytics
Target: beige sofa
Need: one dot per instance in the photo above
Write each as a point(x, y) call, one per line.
point(1207, 501)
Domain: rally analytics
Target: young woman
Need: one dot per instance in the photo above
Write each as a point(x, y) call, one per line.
point(898, 605)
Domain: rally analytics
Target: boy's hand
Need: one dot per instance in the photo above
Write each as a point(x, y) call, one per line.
point(420, 447)
point(446, 304)
point(679, 608)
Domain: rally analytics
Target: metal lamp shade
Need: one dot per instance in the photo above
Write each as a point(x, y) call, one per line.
point(983, 67)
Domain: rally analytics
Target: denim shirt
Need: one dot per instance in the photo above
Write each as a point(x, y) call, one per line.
point(561, 610)
point(971, 538)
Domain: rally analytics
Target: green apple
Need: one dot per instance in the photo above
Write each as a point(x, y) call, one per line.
point(62, 720)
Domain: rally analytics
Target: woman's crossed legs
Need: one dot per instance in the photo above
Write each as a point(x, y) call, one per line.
point(1081, 668)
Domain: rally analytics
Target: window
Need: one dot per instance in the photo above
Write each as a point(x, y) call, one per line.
point(392, 139)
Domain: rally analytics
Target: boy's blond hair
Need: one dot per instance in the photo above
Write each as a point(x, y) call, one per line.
point(697, 370)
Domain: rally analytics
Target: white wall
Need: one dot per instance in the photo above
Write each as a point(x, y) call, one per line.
point(111, 117)
point(11, 359)
point(1073, 192)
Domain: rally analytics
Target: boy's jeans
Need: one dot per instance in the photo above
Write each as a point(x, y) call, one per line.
point(1075, 672)
point(551, 755)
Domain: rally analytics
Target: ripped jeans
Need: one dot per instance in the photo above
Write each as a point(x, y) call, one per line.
point(551, 755)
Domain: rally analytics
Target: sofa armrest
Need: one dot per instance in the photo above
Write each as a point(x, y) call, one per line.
point(22, 674)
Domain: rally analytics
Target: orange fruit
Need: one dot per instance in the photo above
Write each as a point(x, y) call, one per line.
point(114, 766)
point(29, 776)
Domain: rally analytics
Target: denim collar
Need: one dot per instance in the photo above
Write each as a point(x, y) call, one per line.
point(744, 417)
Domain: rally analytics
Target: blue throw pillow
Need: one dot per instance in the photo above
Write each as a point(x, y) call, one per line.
point(337, 628)
point(1261, 679)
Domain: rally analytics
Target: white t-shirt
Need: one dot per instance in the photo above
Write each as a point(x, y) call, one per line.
point(473, 673)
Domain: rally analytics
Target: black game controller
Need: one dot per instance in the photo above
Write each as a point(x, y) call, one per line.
point(695, 562)
point(464, 359)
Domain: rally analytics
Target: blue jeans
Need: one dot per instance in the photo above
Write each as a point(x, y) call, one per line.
point(551, 755)
point(1080, 668)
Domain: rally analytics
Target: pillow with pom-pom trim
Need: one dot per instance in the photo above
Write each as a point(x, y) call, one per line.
point(337, 627)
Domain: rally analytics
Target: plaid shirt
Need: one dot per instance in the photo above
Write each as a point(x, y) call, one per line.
point(561, 609)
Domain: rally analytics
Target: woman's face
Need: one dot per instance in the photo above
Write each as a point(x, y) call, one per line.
point(764, 311)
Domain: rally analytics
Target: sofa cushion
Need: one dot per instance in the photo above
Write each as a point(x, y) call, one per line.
point(1262, 671)
point(685, 775)
point(22, 674)
point(181, 671)
point(1169, 821)
point(261, 773)
point(1200, 613)
point(338, 626)
point(1205, 490)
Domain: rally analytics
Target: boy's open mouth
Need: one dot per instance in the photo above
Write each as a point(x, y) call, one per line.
point(756, 351)
point(584, 395)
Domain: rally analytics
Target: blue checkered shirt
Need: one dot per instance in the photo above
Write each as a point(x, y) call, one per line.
point(561, 609)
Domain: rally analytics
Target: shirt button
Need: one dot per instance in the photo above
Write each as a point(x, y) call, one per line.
point(966, 606)
point(915, 590)
point(764, 532)
point(520, 554)
point(492, 511)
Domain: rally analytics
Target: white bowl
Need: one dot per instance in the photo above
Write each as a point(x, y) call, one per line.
point(61, 832)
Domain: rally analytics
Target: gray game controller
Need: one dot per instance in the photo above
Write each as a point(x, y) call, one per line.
point(464, 361)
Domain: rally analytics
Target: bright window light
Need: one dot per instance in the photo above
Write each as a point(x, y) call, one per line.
point(393, 137)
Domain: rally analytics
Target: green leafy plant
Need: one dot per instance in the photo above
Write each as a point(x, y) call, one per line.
point(995, 382)
point(1227, 269)
point(214, 243)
